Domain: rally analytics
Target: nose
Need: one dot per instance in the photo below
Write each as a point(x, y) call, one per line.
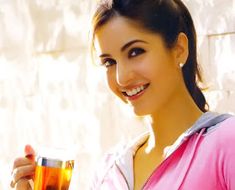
point(124, 74)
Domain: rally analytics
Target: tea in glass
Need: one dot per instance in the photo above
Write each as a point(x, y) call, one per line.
point(53, 174)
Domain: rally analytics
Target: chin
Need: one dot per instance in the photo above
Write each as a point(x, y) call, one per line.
point(140, 112)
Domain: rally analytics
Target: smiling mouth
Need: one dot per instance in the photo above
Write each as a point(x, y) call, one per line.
point(135, 91)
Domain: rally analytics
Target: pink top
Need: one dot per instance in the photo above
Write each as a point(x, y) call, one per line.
point(202, 158)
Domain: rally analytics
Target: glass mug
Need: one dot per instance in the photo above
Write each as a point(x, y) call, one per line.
point(53, 171)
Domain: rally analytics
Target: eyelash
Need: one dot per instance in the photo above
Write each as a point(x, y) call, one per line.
point(137, 51)
point(108, 62)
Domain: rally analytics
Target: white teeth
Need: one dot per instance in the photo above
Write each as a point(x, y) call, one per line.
point(134, 91)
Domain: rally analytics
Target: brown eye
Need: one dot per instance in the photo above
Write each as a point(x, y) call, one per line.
point(135, 52)
point(108, 62)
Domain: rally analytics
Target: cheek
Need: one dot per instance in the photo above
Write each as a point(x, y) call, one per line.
point(167, 80)
point(161, 66)
point(161, 72)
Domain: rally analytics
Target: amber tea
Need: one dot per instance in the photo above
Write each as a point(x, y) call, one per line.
point(53, 174)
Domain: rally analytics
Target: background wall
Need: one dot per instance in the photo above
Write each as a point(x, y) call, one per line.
point(51, 94)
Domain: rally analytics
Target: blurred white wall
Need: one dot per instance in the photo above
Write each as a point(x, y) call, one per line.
point(51, 93)
point(215, 24)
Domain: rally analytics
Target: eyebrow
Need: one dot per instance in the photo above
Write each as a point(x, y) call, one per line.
point(128, 44)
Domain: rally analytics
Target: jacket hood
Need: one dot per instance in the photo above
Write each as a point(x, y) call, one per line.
point(208, 120)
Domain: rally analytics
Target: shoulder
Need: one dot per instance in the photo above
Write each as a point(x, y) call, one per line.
point(111, 156)
point(103, 167)
point(121, 155)
point(225, 150)
point(107, 163)
point(125, 149)
point(215, 156)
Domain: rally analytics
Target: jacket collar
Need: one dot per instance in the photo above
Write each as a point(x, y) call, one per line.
point(208, 120)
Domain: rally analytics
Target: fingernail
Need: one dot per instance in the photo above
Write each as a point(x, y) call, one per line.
point(12, 183)
point(28, 148)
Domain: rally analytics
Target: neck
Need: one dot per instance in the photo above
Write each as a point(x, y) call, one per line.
point(176, 117)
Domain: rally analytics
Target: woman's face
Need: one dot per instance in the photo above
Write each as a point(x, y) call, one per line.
point(140, 69)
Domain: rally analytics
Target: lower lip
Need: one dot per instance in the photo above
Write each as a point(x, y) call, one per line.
point(132, 98)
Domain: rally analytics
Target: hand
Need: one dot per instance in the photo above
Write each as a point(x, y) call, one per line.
point(23, 170)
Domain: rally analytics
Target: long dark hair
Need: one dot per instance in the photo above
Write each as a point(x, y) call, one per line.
point(165, 17)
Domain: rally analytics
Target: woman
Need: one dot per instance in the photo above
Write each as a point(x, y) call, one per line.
point(148, 48)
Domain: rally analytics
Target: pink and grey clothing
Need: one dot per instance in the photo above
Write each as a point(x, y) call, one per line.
point(202, 158)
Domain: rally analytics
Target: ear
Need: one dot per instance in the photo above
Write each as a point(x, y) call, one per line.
point(181, 49)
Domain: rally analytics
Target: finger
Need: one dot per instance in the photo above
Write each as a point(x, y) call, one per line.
point(13, 183)
point(22, 162)
point(22, 172)
point(29, 152)
point(23, 184)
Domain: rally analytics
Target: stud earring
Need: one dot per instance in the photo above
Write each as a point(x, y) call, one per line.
point(181, 65)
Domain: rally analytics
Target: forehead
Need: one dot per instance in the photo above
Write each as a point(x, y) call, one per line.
point(118, 31)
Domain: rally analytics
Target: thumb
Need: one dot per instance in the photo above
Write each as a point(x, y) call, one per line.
point(29, 152)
